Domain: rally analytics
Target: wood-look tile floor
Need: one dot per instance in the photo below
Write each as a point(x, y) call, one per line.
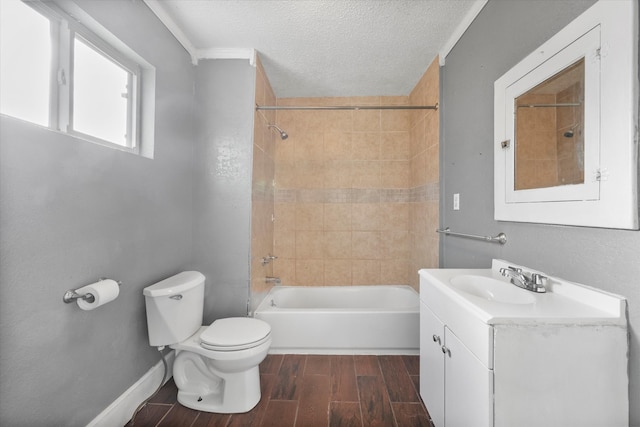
point(312, 390)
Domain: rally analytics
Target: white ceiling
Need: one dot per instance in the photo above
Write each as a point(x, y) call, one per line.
point(324, 48)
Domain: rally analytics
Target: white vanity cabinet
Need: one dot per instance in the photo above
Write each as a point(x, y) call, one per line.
point(449, 372)
point(504, 359)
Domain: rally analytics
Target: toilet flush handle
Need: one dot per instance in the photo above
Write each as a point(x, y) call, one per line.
point(176, 297)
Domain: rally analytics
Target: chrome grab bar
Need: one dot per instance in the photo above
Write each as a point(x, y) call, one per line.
point(500, 238)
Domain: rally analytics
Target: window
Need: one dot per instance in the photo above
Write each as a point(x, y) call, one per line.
point(72, 75)
point(24, 66)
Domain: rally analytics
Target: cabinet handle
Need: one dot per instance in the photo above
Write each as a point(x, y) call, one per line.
point(446, 351)
point(436, 338)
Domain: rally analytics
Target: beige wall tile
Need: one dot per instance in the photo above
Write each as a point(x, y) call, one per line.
point(394, 120)
point(285, 216)
point(432, 168)
point(365, 174)
point(364, 100)
point(365, 272)
point(309, 244)
point(309, 174)
point(338, 174)
point(285, 269)
point(366, 121)
point(365, 146)
point(338, 120)
point(395, 174)
point(395, 145)
point(366, 245)
point(337, 245)
point(394, 272)
point(309, 272)
point(395, 245)
point(337, 145)
point(309, 146)
point(309, 216)
point(394, 216)
point(337, 216)
point(365, 217)
point(337, 272)
point(284, 244)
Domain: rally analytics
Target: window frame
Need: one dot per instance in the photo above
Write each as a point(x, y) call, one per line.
point(67, 23)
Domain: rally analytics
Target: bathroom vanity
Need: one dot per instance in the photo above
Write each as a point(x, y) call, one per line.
point(492, 354)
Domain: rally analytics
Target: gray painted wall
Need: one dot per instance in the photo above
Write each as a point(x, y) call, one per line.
point(503, 34)
point(225, 97)
point(71, 212)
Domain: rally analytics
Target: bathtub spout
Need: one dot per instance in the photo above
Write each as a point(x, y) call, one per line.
point(274, 280)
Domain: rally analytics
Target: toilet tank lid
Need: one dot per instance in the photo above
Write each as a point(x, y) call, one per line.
point(181, 282)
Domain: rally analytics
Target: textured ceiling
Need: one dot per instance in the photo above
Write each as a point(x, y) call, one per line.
point(326, 47)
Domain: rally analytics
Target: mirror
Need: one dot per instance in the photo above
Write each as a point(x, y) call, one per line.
point(566, 120)
point(549, 141)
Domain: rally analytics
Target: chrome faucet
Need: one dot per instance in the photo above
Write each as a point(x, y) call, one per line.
point(266, 260)
point(535, 283)
point(274, 280)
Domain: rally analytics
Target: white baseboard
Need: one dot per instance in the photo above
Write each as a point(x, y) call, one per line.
point(121, 410)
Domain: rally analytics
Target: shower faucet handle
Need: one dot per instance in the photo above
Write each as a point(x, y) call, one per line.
point(266, 260)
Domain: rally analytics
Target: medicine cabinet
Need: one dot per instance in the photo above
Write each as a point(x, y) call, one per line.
point(566, 125)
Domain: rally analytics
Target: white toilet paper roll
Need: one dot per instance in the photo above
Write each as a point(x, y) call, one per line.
point(103, 292)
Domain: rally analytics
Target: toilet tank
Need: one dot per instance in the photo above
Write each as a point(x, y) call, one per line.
point(174, 308)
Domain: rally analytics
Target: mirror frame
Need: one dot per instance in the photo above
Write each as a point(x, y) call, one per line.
point(611, 125)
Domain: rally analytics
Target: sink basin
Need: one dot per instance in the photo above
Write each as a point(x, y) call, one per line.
point(491, 289)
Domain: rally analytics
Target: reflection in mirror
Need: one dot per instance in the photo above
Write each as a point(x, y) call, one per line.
point(549, 131)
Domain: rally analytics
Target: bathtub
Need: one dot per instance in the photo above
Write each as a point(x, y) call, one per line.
point(342, 319)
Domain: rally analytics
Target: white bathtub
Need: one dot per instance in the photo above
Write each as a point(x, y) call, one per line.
point(342, 319)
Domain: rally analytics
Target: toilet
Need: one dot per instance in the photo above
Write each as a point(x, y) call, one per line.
point(216, 366)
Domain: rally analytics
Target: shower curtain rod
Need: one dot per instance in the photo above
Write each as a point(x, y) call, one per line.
point(564, 104)
point(349, 107)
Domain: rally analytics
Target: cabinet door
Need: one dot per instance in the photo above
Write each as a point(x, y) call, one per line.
point(431, 364)
point(468, 387)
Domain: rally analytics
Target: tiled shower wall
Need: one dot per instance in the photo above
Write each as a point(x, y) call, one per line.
point(356, 198)
point(425, 174)
point(262, 207)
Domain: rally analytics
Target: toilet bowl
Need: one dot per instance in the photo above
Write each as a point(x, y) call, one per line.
point(216, 366)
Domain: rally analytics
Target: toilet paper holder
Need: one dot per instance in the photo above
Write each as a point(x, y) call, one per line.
point(71, 295)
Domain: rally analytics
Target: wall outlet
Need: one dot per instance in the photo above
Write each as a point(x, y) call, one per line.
point(456, 202)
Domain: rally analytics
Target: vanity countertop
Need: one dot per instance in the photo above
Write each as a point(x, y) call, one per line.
point(564, 302)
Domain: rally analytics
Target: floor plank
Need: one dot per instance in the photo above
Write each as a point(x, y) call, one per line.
point(150, 415)
point(208, 419)
point(178, 416)
point(271, 364)
point(412, 363)
point(399, 384)
point(367, 365)
point(318, 364)
point(288, 378)
point(411, 415)
point(374, 402)
point(345, 414)
point(343, 379)
point(280, 413)
point(313, 406)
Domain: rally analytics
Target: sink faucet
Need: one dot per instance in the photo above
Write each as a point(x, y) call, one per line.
point(535, 283)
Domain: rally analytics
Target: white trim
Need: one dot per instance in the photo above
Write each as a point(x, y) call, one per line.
point(159, 10)
point(466, 22)
point(228, 53)
point(121, 410)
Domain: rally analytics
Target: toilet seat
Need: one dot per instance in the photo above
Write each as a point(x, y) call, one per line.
point(235, 333)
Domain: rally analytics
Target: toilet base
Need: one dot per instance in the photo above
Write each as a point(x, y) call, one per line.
point(238, 393)
point(212, 390)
